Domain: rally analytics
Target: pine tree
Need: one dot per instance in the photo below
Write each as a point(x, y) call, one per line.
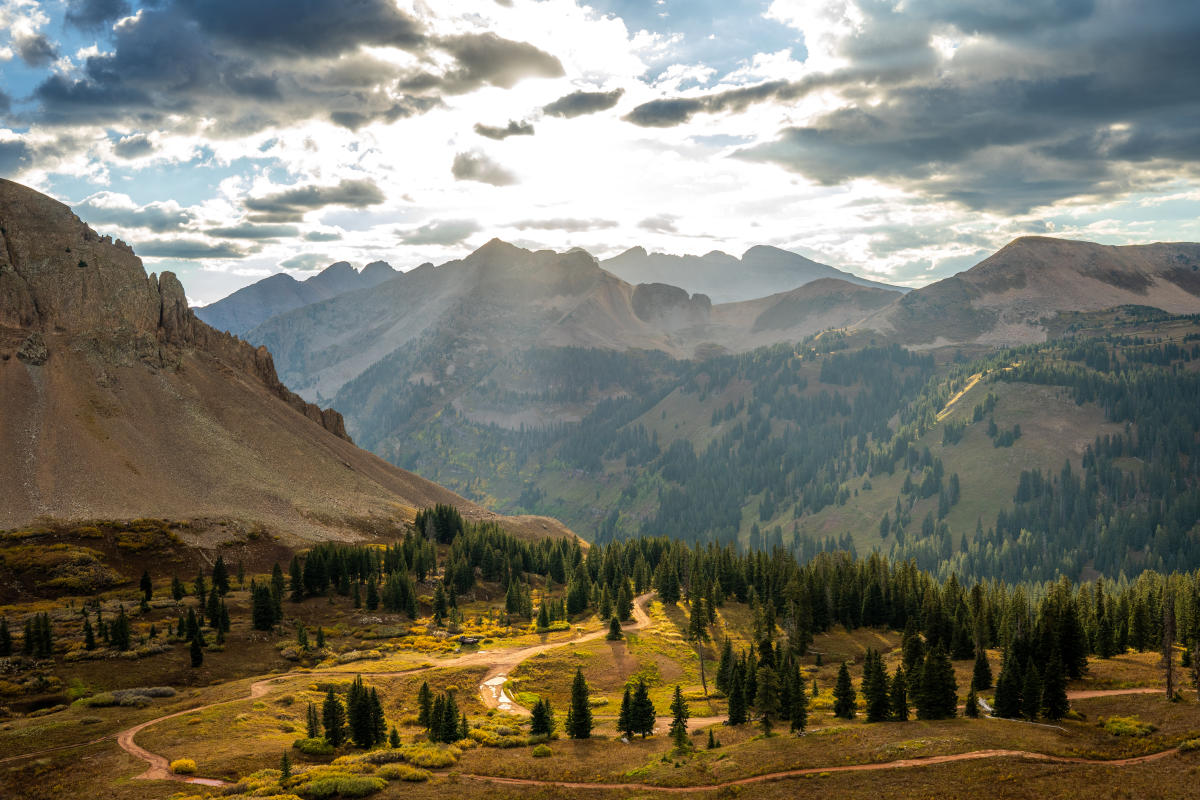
point(614, 630)
point(679, 718)
point(843, 695)
point(359, 714)
point(372, 594)
point(296, 581)
point(625, 717)
point(312, 722)
point(146, 586)
point(378, 722)
point(197, 651)
point(982, 677)
point(394, 738)
point(579, 715)
point(220, 577)
point(1031, 692)
point(1055, 704)
point(200, 587)
point(1008, 690)
point(898, 698)
point(643, 711)
point(448, 728)
point(262, 608)
point(285, 767)
point(724, 668)
point(972, 707)
point(333, 717)
point(177, 590)
point(875, 688)
point(737, 696)
point(799, 709)
point(277, 585)
point(938, 694)
point(767, 696)
point(425, 706)
point(713, 744)
point(320, 638)
point(541, 722)
point(89, 636)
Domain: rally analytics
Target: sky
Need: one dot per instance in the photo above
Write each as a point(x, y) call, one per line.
point(903, 140)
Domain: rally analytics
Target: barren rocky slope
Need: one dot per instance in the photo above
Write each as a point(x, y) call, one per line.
point(117, 402)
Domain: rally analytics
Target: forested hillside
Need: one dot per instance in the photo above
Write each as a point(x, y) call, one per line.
point(1071, 457)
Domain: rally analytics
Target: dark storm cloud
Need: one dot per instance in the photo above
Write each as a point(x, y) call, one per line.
point(567, 224)
point(91, 14)
point(157, 217)
point(305, 28)
point(478, 167)
point(250, 231)
point(577, 104)
point(190, 249)
point(35, 50)
point(291, 204)
point(513, 128)
point(1049, 100)
point(252, 66)
point(134, 145)
point(441, 232)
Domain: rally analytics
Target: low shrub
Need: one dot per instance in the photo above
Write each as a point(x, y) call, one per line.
point(388, 756)
point(541, 751)
point(342, 786)
point(403, 772)
point(183, 766)
point(431, 756)
point(1126, 726)
point(1190, 746)
point(313, 747)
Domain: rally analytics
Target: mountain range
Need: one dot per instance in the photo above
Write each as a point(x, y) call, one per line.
point(258, 302)
point(761, 271)
point(119, 402)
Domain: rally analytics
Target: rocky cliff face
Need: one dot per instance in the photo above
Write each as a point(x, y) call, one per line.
point(63, 285)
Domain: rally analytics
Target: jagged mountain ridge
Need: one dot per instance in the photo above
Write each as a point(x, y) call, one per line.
point(119, 403)
point(253, 305)
point(504, 298)
point(1008, 297)
point(760, 272)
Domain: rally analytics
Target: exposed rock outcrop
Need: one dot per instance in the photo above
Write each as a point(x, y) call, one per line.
point(60, 279)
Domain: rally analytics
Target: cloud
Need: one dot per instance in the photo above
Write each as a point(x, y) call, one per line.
point(15, 156)
point(306, 262)
point(668, 112)
point(487, 59)
point(1003, 108)
point(305, 28)
point(478, 167)
point(513, 128)
point(5, 102)
point(579, 103)
point(134, 145)
point(191, 249)
point(249, 231)
point(322, 236)
point(290, 205)
point(441, 232)
point(110, 208)
point(564, 224)
point(35, 49)
point(92, 14)
point(661, 223)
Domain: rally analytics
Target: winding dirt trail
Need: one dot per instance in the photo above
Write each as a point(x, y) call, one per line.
point(494, 695)
point(907, 763)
